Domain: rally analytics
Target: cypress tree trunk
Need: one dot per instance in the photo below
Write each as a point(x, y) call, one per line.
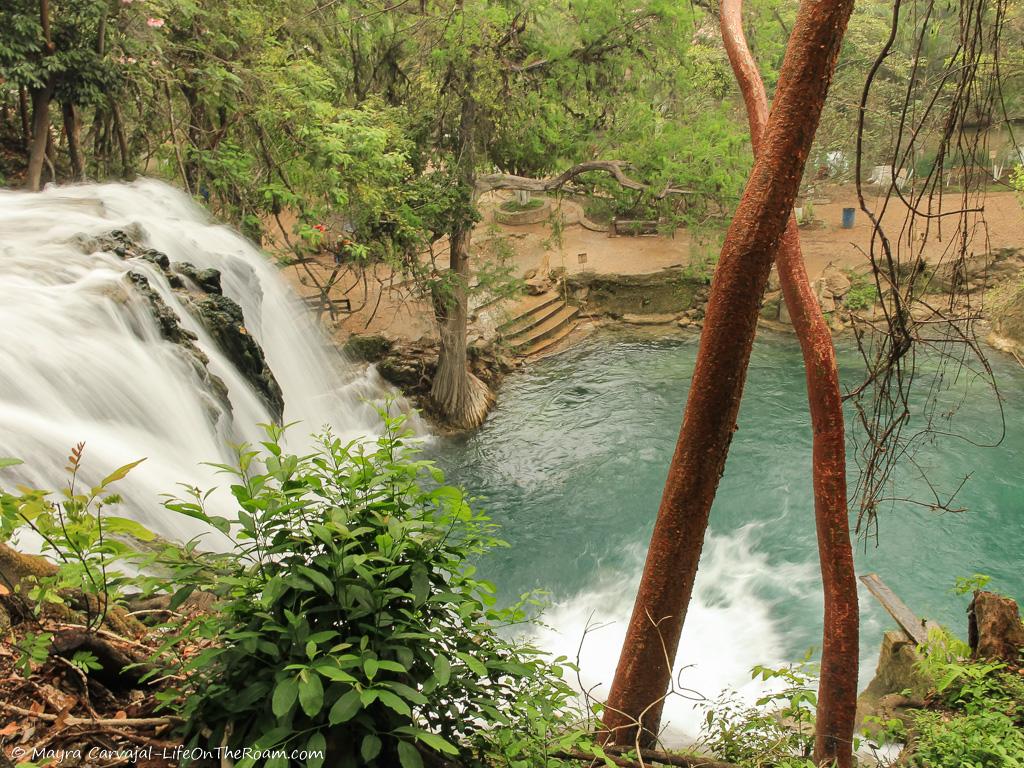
point(837, 693)
point(40, 134)
point(460, 398)
point(635, 702)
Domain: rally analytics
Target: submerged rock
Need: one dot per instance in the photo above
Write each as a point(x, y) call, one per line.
point(172, 330)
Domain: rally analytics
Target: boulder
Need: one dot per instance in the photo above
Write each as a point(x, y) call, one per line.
point(834, 281)
point(994, 629)
point(368, 348)
point(898, 684)
point(207, 280)
point(770, 305)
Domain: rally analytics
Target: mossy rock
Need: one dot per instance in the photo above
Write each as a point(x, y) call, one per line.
point(370, 348)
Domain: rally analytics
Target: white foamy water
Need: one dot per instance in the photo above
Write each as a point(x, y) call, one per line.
point(82, 359)
point(730, 628)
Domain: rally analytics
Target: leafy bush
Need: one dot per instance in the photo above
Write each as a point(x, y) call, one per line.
point(351, 621)
point(778, 731)
point(986, 739)
point(863, 292)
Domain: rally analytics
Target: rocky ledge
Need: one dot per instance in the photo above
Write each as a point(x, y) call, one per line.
point(200, 293)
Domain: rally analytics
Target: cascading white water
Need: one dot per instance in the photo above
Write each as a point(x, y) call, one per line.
point(82, 358)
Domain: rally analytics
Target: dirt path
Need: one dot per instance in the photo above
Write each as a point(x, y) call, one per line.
point(387, 304)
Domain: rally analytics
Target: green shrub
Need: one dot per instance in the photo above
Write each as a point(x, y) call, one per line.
point(778, 731)
point(351, 620)
point(514, 206)
point(863, 292)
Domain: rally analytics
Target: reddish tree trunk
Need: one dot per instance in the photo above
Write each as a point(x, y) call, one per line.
point(652, 637)
point(837, 695)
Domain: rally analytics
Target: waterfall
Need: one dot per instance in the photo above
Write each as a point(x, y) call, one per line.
point(82, 357)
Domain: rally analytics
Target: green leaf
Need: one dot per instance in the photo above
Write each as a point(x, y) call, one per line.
point(420, 583)
point(370, 667)
point(129, 527)
point(408, 755)
point(317, 749)
point(345, 708)
point(393, 702)
point(318, 578)
point(120, 473)
point(442, 670)
point(9, 462)
point(311, 694)
point(437, 743)
point(285, 694)
point(370, 747)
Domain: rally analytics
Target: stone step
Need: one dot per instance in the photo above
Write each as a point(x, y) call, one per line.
point(546, 344)
point(540, 304)
point(550, 326)
point(535, 317)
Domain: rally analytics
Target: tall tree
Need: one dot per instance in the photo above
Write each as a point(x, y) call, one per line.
point(837, 696)
point(635, 702)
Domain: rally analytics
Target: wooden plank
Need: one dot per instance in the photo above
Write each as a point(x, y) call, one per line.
point(907, 619)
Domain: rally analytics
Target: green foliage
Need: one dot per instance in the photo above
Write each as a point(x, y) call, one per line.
point(778, 731)
point(351, 617)
point(863, 292)
point(79, 535)
point(965, 585)
point(986, 739)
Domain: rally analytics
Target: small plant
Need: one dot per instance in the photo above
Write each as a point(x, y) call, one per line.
point(777, 731)
point(965, 585)
point(514, 206)
point(78, 534)
point(862, 294)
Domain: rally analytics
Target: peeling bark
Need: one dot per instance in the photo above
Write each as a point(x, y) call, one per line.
point(837, 695)
point(634, 706)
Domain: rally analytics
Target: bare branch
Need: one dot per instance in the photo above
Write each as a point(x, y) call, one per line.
point(490, 181)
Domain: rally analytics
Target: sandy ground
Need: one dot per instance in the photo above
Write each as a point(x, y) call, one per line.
point(385, 303)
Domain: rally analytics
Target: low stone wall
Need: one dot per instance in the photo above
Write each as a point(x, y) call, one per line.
point(671, 292)
point(521, 218)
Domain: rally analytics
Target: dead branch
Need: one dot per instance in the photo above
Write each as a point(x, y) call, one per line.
point(70, 722)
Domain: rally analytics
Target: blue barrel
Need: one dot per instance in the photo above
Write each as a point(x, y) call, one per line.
point(848, 214)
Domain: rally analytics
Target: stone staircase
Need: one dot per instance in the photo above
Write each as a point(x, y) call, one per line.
point(539, 322)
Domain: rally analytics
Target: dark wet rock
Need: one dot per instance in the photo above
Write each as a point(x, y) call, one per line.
point(223, 319)
point(207, 280)
point(125, 245)
point(172, 330)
